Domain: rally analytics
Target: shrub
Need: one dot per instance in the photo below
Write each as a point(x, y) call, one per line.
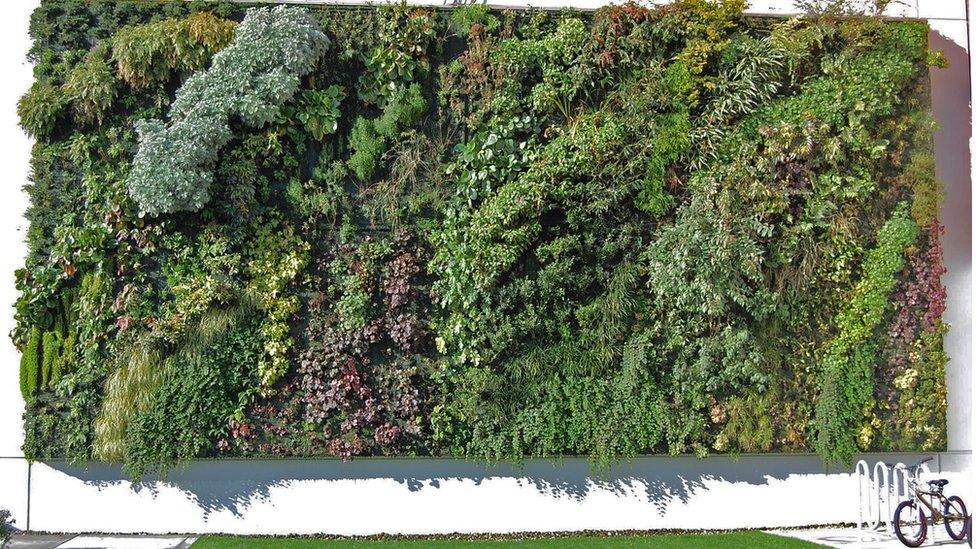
point(51, 349)
point(404, 110)
point(5, 526)
point(250, 79)
point(465, 16)
point(66, 360)
point(149, 54)
point(203, 383)
point(368, 138)
point(367, 147)
point(40, 108)
point(320, 111)
point(91, 87)
point(277, 259)
point(400, 55)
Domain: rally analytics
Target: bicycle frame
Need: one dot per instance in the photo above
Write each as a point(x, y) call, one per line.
point(936, 512)
point(933, 495)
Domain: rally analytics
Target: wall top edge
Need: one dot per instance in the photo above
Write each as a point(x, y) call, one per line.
point(769, 8)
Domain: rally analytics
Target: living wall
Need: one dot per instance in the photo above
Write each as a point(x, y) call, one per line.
point(495, 234)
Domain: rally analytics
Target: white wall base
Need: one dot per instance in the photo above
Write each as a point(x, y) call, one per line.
point(442, 496)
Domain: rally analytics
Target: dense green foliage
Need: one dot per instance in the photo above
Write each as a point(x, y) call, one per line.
point(30, 364)
point(148, 55)
point(173, 169)
point(847, 376)
point(398, 231)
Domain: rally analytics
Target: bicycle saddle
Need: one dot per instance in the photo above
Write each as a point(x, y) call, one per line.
point(939, 483)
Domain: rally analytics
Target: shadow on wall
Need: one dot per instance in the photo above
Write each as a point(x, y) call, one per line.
point(952, 110)
point(233, 485)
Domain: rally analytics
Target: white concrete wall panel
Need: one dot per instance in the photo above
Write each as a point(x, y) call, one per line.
point(442, 496)
point(13, 489)
point(951, 109)
point(15, 160)
point(941, 9)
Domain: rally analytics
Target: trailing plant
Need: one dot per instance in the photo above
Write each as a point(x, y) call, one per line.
point(92, 88)
point(848, 361)
point(277, 259)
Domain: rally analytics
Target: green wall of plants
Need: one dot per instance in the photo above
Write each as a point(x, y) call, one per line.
point(495, 234)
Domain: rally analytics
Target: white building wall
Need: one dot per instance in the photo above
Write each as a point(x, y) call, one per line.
point(15, 162)
point(441, 496)
point(367, 496)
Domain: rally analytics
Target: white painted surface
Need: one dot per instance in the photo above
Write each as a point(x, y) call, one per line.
point(941, 9)
point(426, 496)
point(14, 158)
point(441, 496)
point(951, 108)
point(115, 542)
point(15, 161)
point(13, 489)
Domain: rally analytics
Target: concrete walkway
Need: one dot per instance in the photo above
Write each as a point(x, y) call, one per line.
point(851, 538)
point(54, 541)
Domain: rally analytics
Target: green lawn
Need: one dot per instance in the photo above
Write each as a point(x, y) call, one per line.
point(736, 540)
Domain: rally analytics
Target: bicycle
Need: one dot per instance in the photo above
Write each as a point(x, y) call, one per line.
point(910, 520)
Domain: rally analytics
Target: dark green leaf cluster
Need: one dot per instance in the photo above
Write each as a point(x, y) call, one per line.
point(5, 525)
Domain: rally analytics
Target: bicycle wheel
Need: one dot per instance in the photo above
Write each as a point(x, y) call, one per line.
point(955, 517)
point(910, 524)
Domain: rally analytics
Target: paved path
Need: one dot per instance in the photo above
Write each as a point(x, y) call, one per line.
point(49, 541)
point(850, 538)
point(843, 538)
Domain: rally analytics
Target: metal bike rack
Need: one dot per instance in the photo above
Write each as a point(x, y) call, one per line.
point(879, 490)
